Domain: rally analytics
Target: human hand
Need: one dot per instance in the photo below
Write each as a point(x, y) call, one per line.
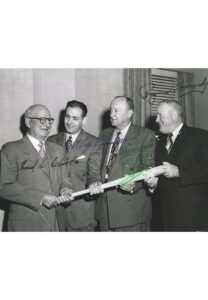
point(49, 201)
point(96, 188)
point(127, 184)
point(66, 196)
point(151, 182)
point(170, 170)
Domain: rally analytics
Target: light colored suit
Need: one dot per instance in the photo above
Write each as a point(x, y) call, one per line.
point(25, 178)
point(136, 153)
point(82, 172)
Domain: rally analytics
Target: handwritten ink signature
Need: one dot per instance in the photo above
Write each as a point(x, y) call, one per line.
point(102, 142)
point(131, 164)
point(147, 92)
point(193, 87)
point(29, 165)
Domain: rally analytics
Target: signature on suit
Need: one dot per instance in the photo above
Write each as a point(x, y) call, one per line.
point(29, 165)
point(102, 142)
point(57, 162)
point(147, 157)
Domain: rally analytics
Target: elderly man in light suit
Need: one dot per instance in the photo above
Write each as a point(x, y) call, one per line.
point(29, 179)
point(126, 149)
point(83, 168)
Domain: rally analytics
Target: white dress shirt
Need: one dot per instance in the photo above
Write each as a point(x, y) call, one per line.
point(36, 142)
point(176, 132)
point(122, 137)
point(74, 136)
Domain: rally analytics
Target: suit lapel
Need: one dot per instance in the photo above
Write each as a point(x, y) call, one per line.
point(78, 147)
point(61, 139)
point(179, 142)
point(33, 157)
point(107, 146)
point(128, 140)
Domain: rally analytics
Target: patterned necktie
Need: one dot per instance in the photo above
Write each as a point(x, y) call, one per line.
point(42, 151)
point(169, 143)
point(68, 144)
point(113, 153)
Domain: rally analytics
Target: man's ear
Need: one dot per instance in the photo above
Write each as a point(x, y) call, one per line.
point(27, 122)
point(130, 113)
point(174, 115)
point(84, 120)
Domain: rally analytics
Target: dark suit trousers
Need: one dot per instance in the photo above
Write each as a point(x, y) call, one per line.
point(104, 224)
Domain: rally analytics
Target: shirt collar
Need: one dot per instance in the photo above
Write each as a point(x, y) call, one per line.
point(124, 130)
point(177, 130)
point(35, 141)
point(74, 136)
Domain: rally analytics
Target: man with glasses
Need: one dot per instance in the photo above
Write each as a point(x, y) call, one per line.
point(83, 168)
point(30, 180)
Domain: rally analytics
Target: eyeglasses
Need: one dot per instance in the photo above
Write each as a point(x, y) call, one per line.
point(43, 120)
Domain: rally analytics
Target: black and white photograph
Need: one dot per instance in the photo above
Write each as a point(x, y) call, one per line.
point(103, 149)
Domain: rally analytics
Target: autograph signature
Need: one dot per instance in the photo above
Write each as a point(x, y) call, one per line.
point(29, 165)
point(147, 92)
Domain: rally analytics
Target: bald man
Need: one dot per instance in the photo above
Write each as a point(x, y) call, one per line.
point(126, 149)
point(183, 189)
point(31, 178)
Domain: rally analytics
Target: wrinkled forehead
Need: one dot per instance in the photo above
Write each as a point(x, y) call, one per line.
point(119, 104)
point(40, 111)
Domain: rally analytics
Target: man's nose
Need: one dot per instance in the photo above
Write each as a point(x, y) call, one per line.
point(47, 123)
point(68, 121)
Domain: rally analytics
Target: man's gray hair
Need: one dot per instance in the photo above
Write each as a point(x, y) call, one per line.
point(30, 109)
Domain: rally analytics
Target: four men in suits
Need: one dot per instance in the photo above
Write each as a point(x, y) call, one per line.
point(183, 188)
point(29, 179)
point(126, 149)
point(83, 168)
point(37, 176)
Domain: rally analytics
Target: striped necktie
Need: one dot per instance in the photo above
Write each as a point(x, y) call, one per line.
point(169, 143)
point(68, 144)
point(42, 151)
point(113, 153)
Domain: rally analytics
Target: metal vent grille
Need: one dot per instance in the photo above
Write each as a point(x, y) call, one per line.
point(163, 87)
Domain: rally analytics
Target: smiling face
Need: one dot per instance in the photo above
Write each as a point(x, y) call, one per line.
point(35, 128)
point(166, 118)
point(74, 120)
point(120, 114)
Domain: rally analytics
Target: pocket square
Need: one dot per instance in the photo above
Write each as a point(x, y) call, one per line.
point(81, 157)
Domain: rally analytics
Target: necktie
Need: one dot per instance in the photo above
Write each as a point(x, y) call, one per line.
point(68, 144)
point(113, 153)
point(42, 151)
point(169, 143)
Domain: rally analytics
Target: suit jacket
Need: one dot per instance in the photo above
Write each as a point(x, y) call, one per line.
point(25, 178)
point(184, 200)
point(135, 154)
point(80, 213)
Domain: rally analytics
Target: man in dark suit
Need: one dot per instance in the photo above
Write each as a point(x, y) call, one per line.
point(29, 180)
point(83, 168)
point(126, 149)
point(183, 189)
